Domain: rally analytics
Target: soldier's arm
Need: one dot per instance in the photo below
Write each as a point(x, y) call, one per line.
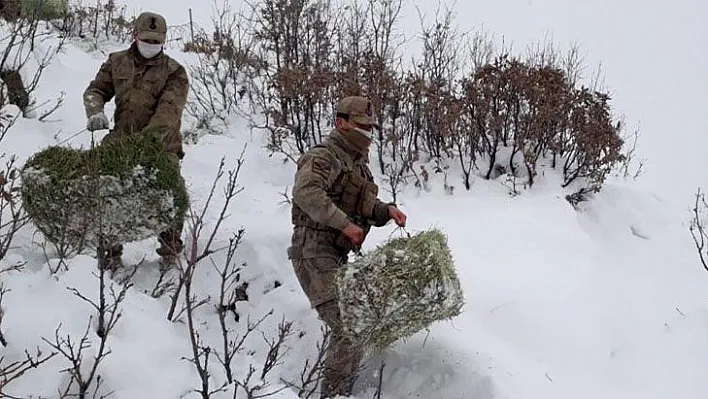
point(100, 90)
point(315, 174)
point(372, 208)
point(380, 215)
point(169, 109)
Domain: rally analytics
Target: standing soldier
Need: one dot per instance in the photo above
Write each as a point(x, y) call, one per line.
point(334, 204)
point(150, 90)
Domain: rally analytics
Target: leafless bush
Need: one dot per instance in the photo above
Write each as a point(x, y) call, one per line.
point(13, 370)
point(438, 69)
point(12, 215)
point(229, 295)
point(295, 40)
point(3, 291)
point(368, 63)
point(420, 110)
point(261, 388)
point(25, 41)
point(697, 228)
point(102, 20)
point(311, 373)
point(227, 61)
point(105, 20)
point(83, 375)
point(194, 255)
point(231, 291)
point(165, 283)
point(631, 167)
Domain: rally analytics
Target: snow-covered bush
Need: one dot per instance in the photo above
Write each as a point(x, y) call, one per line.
point(398, 289)
point(120, 191)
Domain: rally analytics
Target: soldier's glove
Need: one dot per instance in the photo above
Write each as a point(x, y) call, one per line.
point(97, 121)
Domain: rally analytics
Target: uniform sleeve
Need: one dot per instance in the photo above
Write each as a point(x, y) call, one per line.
point(100, 90)
point(168, 114)
point(315, 174)
point(373, 208)
point(380, 213)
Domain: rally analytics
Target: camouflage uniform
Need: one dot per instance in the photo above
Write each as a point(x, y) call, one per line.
point(333, 187)
point(150, 93)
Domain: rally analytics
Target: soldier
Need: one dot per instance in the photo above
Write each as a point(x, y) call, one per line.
point(334, 204)
point(150, 90)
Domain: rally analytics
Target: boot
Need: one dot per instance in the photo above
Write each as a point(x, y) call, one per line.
point(112, 258)
point(170, 247)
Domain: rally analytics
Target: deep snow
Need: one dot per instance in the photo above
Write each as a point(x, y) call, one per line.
point(607, 302)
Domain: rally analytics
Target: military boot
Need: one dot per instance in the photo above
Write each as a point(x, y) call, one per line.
point(111, 259)
point(170, 247)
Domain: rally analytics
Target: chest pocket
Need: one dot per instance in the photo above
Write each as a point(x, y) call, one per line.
point(123, 83)
point(139, 83)
point(153, 81)
point(371, 188)
point(353, 187)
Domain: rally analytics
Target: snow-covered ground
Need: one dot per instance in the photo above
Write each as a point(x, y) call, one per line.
point(606, 302)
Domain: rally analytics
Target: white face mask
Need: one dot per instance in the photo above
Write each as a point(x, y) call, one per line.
point(148, 50)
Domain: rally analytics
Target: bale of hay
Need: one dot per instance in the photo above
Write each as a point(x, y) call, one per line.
point(399, 289)
point(123, 190)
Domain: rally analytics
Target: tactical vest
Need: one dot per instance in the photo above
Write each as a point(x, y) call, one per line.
point(350, 187)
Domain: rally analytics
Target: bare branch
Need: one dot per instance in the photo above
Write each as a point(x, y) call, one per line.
point(12, 371)
point(192, 257)
point(697, 227)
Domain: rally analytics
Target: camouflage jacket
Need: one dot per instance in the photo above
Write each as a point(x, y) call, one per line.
point(332, 188)
point(149, 94)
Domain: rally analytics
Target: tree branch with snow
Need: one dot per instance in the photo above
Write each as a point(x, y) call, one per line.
point(311, 373)
point(13, 370)
point(697, 228)
point(83, 375)
point(260, 387)
point(12, 214)
point(193, 256)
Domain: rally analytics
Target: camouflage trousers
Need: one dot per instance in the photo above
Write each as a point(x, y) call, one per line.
point(342, 358)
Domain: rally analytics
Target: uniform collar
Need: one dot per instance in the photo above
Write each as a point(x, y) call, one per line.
point(344, 146)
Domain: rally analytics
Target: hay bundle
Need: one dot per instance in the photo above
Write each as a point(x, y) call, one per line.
point(123, 190)
point(398, 289)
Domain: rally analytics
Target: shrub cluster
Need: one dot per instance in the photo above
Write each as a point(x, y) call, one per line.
point(460, 102)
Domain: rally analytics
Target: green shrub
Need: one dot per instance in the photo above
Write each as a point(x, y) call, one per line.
point(45, 9)
point(123, 190)
point(398, 289)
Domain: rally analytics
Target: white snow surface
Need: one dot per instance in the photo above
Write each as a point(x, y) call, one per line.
point(607, 302)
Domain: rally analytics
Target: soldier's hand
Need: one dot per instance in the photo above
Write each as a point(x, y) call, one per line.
point(354, 233)
point(397, 215)
point(97, 122)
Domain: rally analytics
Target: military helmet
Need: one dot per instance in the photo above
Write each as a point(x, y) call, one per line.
point(151, 26)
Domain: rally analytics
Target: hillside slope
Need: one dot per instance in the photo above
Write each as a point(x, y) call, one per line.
point(608, 301)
